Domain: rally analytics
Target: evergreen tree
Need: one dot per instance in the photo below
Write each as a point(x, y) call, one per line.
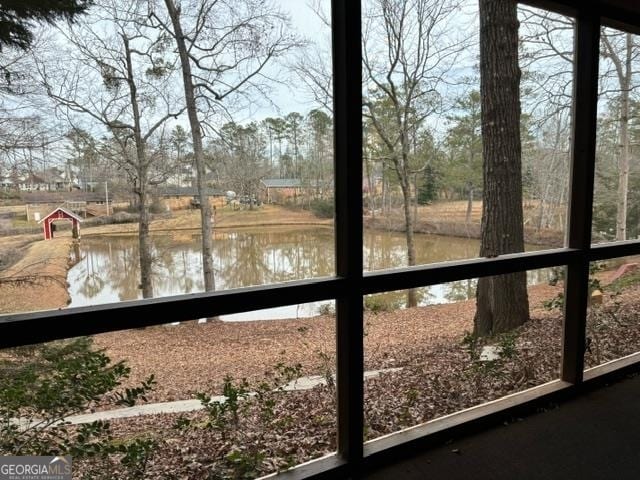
point(428, 191)
point(17, 18)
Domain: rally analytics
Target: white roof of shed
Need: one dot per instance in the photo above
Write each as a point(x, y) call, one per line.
point(64, 210)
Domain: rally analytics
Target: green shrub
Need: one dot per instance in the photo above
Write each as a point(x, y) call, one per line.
point(506, 351)
point(43, 385)
point(244, 407)
point(382, 303)
point(327, 309)
point(555, 303)
point(322, 208)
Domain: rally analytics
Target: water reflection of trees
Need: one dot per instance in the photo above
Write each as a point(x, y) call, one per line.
point(242, 258)
point(92, 281)
point(115, 261)
point(109, 264)
point(256, 258)
point(398, 299)
point(462, 290)
point(387, 250)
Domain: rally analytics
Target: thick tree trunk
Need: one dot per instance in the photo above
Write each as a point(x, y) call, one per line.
point(502, 302)
point(198, 153)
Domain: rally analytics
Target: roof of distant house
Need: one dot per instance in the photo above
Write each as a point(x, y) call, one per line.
point(58, 197)
point(281, 182)
point(50, 175)
point(32, 178)
point(169, 191)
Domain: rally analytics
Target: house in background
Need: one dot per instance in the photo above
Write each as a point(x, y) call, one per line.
point(32, 182)
point(39, 203)
point(7, 183)
point(180, 198)
point(50, 180)
point(280, 190)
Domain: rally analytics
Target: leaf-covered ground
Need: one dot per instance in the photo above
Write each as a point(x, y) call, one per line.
point(441, 374)
point(193, 357)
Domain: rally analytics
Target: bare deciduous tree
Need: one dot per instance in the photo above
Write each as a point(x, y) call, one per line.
point(622, 51)
point(549, 51)
point(119, 79)
point(407, 52)
point(224, 48)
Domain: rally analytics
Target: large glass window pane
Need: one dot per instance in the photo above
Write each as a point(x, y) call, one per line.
point(214, 400)
point(423, 185)
point(613, 328)
point(616, 204)
point(438, 358)
point(112, 168)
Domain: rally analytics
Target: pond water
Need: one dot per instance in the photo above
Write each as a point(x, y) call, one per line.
point(108, 269)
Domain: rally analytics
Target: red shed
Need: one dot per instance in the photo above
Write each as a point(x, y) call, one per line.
point(61, 214)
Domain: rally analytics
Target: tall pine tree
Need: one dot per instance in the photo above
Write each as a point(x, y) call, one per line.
point(501, 301)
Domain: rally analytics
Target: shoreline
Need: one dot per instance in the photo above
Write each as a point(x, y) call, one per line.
point(36, 252)
point(38, 280)
point(91, 231)
point(544, 238)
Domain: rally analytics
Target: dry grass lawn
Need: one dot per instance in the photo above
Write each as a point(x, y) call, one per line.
point(267, 215)
point(38, 280)
point(456, 211)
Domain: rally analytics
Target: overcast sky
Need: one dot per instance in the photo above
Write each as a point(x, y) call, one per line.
point(293, 96)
